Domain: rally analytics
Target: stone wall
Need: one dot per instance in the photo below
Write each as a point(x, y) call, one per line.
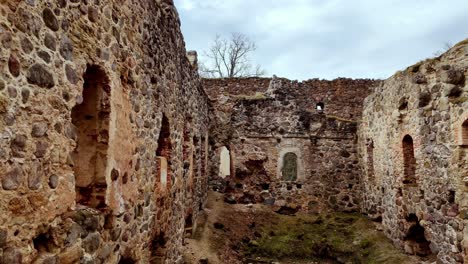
point(264, 122)
point(90, 93)
point(412, 149)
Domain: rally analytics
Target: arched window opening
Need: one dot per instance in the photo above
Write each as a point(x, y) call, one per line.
point(409, 160)
point(464, 134)
point(289, 169)
point(320, 106)
point(370, 160)
point(163, 154)
point(224, 162)
point(91, 121)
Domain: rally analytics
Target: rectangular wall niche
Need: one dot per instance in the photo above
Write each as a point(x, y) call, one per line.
point(91, 120)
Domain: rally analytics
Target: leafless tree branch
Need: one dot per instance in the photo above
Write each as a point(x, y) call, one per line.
point(230, 58)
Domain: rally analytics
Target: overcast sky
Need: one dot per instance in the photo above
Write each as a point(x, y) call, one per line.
point(303, 39)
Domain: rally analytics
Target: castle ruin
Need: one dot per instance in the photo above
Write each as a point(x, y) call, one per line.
point(110, 141)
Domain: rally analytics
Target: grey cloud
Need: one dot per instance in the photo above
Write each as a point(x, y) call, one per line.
point(302, 39)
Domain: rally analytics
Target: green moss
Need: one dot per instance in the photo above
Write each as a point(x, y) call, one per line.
point(342, 119)
point(345, 236)
point(459, 100)
point(255, 97)
point(463, 42)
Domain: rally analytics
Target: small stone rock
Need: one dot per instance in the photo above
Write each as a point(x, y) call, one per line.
point(50, 42)
point(25, 95)
point(12, 92)
point(41, 149)
point(453, 76)
point(14, 66)
point(44, 55)
point(71, 74)
point(35, 176)
point(53, 181)
point(62, 3)
point(13, 179)
point(50, 20)
point(26, 45)
point(19, 143)
point(40, 76)
point(93, 14)
point(12, 256)
point(66, 48)
point(39, 129)
point(91, 242)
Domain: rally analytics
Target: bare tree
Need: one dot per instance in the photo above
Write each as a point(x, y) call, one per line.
point(447, 46)
point(228, 58)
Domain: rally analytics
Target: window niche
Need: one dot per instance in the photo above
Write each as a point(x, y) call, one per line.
point(91, 120)
point(289, 168)
point(409, 161)
point(320, 106)
point(224, 162)
point(163, 154)
point(370, 160)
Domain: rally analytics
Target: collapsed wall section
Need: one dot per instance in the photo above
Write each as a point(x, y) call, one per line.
point(413, 155)
point(291, 144)
point(87, 89)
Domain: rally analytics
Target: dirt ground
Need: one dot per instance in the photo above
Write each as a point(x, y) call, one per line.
point(231, 234)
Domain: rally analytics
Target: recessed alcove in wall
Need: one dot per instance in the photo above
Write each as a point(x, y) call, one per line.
point(370, 160)
point(320, 106)
point(289, 168)
point(91, 120)
point(163, 153)
point(290, 164)
point(409, 161)
point(158, 249)
point(464, 134)
point(415, 237)
point(224, 162)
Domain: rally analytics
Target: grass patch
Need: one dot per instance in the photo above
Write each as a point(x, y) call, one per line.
point(344, 237)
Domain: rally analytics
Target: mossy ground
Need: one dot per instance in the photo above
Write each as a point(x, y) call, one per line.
point(338, 237)
point(237, 234)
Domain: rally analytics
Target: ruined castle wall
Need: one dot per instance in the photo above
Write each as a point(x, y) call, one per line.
point(265, 122)
point(86, 91)
point(412, 149)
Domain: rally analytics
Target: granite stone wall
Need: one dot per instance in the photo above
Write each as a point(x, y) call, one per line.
point(292, 144)
point(103, 132)
point(412, 149)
